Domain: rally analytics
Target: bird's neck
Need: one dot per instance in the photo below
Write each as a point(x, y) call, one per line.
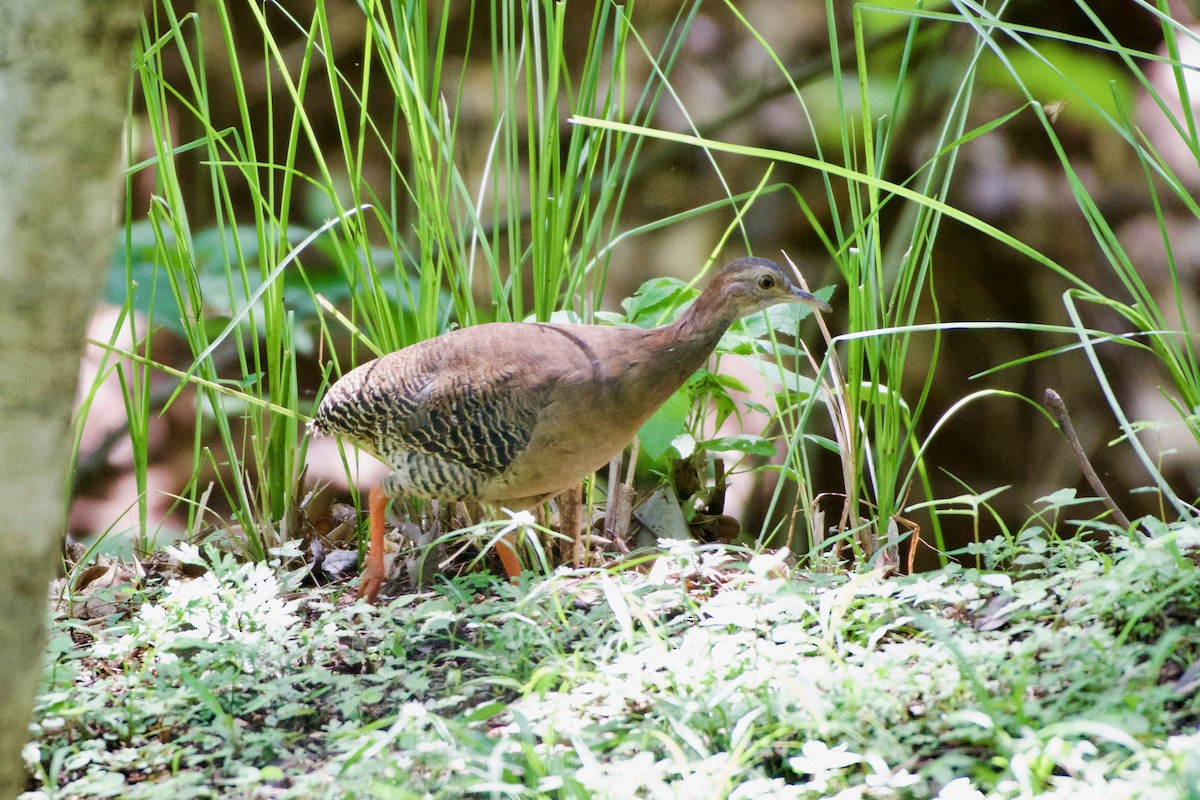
point(660, 360)
point(703, 323)
point(684, 346)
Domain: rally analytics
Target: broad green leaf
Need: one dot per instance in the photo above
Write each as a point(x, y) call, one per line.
point(743, 443)
point(666, 423)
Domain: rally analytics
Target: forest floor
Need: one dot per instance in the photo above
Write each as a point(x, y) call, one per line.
point(1056, 668)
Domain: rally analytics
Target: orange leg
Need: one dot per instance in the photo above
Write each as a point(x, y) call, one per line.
point(372, 573)
point(506, 548)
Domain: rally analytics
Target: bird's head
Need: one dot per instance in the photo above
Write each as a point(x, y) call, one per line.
point(749, 285)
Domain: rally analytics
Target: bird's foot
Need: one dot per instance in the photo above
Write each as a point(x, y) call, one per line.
point(369, 583)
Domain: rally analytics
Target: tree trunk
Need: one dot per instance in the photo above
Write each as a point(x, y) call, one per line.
point(64, 66)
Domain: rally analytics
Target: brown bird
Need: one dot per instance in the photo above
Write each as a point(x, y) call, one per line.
point(513, 413)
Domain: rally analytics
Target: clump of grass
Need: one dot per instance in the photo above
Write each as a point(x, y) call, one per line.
point(270, 284)
point(257, 291)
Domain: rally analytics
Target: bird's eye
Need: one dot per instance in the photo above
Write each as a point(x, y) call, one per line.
point(766, 282)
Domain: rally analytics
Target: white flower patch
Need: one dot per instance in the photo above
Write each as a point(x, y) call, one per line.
point(817, 758)
point(937, 589)
point(752, 610)
point(242, 611)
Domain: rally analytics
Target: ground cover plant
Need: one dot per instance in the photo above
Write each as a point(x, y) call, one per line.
point(1051, 672)
point(388, 187)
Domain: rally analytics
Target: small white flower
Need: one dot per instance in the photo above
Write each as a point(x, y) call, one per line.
point(289, 549)
point(996, 579)
point(767, 789)
point(765, 565)
point(817, 757)
point(680, 552)
point(619, 780)
point(518, 520)
point(413, 711)
point(119, 649)
point(1186, 744)
point(684, 444)
point(900, 779)
point(183, 592)
point(186, 553)
point(1186, 537)
point(852, 793)
point(960, 789)
point(700, 780)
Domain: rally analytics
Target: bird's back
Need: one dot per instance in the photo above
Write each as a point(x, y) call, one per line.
point(504, 411)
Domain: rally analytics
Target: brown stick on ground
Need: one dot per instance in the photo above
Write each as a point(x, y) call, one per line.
point(1059, 409)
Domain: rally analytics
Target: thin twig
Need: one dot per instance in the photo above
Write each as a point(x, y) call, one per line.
point(1059, 409)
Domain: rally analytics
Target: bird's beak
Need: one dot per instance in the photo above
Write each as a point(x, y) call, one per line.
point(801, 296)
